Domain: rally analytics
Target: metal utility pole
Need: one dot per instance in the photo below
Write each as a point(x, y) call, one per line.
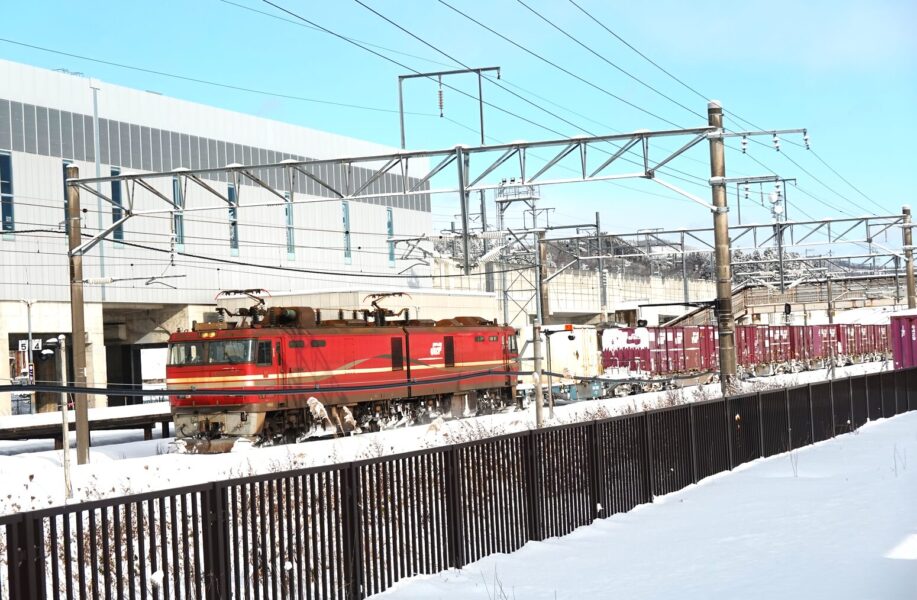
point(65, 415)
point(725, 319)
point(603, 291)
point(536, 330)
point(504, 293)
point(462, 159)
point(547, 344)
point(539, 395)
point(830, 291)
point(909, 258)
point(98, 157)
point(684, 269)
point(541, 251)
point(77, 317)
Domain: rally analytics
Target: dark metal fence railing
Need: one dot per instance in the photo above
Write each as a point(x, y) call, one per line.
point(352, 530)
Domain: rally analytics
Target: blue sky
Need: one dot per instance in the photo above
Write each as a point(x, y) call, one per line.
point(845, 70)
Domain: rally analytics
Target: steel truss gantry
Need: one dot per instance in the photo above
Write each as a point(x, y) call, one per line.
point(869, 231)
point(595, 157)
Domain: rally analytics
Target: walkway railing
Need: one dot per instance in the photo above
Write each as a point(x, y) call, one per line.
point(351, 530)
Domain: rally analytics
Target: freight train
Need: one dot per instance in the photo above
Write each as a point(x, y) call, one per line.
point(656, 357)
point(294, 371)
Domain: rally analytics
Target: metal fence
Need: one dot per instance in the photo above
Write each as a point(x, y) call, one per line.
point(352, 530)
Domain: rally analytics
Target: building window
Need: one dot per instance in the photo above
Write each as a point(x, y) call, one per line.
point(178, 217)
point(345, 209)
point(233, 220)
point(6, 192)
point(117, 210)
point(288, 214)
point(390, 228)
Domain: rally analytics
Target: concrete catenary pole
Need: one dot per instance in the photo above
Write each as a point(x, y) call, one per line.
point(77, 318)
point(909, 258)
point(724, 316)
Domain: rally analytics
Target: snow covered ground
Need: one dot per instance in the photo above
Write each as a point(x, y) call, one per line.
point(35, 479)
point(837, 521)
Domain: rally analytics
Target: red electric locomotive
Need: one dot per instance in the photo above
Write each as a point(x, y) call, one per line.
point(373, 369)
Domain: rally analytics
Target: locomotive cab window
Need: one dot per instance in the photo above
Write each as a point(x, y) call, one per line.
point(511, 339)
point(264, 353)
point(186, 353)
point(230, 351)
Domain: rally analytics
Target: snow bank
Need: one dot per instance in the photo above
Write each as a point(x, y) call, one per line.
point(837, 521)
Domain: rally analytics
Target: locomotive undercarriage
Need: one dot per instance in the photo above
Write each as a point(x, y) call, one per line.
point(219, 431)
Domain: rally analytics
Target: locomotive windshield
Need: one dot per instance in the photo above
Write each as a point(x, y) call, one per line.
point(215, 352)
point(229, 351)
point(186, 353)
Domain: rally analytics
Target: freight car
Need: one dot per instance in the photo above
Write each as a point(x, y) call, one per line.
point(374, 369)
point(657, 357)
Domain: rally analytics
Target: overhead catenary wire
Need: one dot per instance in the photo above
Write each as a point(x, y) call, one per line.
point(395, 62)
point(733, 114)
point(228, 86)
point(536, 105)
point(306, 26)
point(556, 66)
point(607, 61)
point(357, 274)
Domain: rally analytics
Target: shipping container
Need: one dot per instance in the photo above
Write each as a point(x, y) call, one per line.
point(710, 347)
point(903, 333)
point(694, 360)
point(800, 348)
point(674, 349)
point(626, 349)
point(779, 337)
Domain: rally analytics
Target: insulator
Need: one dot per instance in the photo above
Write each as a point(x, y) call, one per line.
point(776, 143)
point(805, 139)
point(744, 144)
point(440, 96)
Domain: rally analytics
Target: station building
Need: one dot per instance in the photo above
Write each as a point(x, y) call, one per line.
point(157, 273)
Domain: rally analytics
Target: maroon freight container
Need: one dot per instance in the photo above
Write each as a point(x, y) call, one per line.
point(752, 346)
point(903, 334)
point(626, 347)
point(692, 347)
point(799, 342)
point(710, 348)
point(820, 343)
point(883, 337)
point(779, 337)
point(659, 360)
point(675, 349)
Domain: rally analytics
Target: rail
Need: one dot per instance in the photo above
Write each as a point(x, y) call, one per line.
point(352, 530)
